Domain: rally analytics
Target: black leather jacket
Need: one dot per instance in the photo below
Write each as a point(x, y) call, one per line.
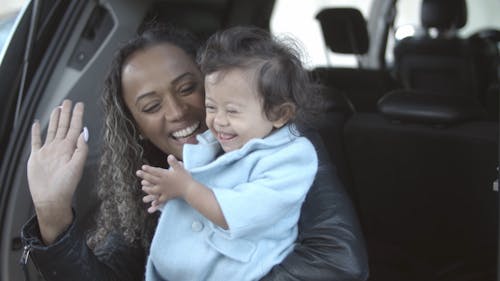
point(329, 245)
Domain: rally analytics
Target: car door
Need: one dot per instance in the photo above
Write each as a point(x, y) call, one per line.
point(40, 38)
point(73, 42)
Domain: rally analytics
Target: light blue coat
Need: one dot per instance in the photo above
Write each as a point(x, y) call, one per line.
point(260, 189)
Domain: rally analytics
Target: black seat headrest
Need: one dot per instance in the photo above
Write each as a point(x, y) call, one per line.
point(344, 30)
point(429, 108)
point(443, 14)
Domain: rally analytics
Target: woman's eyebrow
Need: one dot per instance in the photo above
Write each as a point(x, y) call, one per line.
point(180, 77)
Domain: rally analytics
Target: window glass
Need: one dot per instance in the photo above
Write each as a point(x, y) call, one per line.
point(9, 9)
point(480, 15)
point(297, 19)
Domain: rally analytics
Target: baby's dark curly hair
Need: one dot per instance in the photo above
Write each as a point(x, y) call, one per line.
point(281, 76)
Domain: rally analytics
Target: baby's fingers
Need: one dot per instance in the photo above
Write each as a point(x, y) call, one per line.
point(152, 209)
point(174, 163)
point(145, 175)
point(155, 205)
point(146, 183)
point(162, 198)
point(155, 171)
point(149, 198)
point(150, 190)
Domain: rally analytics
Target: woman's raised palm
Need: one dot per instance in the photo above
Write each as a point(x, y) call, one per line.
point(55, 167)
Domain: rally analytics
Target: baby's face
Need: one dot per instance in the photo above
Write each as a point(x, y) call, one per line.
point(234, 108)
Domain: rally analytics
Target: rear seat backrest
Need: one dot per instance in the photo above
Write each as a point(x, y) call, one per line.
point(330, 126)
point(445, 63)
point(363, 87)
point(422, 171)
point(344, 31)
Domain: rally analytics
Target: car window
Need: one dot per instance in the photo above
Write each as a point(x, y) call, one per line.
point(480, 15)
point(6, 24)
point(8, 14)
point(297, 19)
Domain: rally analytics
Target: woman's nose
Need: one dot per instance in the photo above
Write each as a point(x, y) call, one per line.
point(175, 109)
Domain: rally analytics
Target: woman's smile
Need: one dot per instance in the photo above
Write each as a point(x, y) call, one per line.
point(186, 132)
point(163, 89)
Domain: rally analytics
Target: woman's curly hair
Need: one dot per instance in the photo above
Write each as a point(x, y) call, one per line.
point(121, 208)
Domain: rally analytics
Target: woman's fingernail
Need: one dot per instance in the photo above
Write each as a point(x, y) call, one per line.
point(85, 134)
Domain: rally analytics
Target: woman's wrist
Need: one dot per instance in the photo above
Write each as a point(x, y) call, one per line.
point(52, 221)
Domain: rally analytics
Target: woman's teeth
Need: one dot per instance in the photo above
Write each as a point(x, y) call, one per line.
point(186, 132)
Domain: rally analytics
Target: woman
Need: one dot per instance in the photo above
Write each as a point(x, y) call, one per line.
point(154, 103)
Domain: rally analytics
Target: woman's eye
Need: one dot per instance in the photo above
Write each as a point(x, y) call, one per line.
point(232, 111)
point(186, 90)
point(151, 108)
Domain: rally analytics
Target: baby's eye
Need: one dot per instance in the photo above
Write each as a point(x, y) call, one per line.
point(232, 111)
point(209, 108)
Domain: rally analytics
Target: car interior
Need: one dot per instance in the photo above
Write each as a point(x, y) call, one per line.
point(414, 140)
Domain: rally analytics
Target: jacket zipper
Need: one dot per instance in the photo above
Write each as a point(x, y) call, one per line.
point(25, 255)
point(24, 261)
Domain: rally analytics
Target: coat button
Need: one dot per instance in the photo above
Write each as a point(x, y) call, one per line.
point(197, 226)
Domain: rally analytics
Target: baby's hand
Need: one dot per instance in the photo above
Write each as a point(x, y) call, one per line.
point(161, 184)
point(150, 198)
point(153, 183)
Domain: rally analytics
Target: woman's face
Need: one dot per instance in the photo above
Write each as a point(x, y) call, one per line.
point(163, 89)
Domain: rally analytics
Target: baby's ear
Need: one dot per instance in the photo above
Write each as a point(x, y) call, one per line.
point(283, 113)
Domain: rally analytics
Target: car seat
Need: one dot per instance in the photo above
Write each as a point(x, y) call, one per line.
point(441, 61)
point(423, 169)
point(344, 31)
